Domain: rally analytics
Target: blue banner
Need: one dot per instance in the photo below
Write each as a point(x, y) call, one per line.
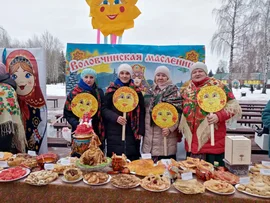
point(144, 59)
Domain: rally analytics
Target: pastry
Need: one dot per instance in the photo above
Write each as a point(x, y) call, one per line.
point(96, 177)
point(146, 167)
point(41, 177)
point(6, 156)
point(93, 156)
point(72, 174)
point(15, 161)
point(218, 186)
point(155, 182)
point(29, 163)
point(189, 186)
point(125, 181)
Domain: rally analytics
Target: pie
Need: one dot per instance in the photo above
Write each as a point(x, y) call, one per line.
point(6, 156)
point(155, 183)
point(41, 177)
point(225, 176)
point(72, 174)
point(189, 186)
point(145, 167)
point(96, 177)
point(15, 161)
point(125, 181)
point(29, 163)
point(195, 163)
point(218, 186)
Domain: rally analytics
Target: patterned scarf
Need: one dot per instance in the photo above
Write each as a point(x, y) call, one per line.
point(10, 117)
point(199, 126)
point(79, 89)
point(169, 94)
point(134, 115)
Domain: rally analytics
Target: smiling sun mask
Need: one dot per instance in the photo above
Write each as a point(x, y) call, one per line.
point(164, 115)
point(84, 103)
point(125, 99)
point(113, 16)
point(211, 99)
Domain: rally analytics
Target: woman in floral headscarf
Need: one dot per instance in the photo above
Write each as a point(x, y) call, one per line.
point(12, 134)
point(195, 122)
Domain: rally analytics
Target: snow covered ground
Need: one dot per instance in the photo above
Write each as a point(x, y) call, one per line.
point(60, 90)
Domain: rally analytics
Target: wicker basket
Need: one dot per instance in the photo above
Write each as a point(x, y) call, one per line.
point(88, 168)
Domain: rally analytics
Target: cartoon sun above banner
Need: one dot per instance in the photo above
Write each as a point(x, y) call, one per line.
point(84, 103)
point(113, 16)
point(212, 99)
point(164, 115)
point(125, 99)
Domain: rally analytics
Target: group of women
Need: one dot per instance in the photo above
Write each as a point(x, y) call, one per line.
point(108, 122)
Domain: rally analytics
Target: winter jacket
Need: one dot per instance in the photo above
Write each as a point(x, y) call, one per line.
point(266, 115)
point(113, 130)
point(153, 141)
point(5, 78)
point(194, 124)
point(72, 119)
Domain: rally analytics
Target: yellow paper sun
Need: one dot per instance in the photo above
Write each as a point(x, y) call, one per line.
point(84, 103)
point(113, 16)
point(125, 99)
point(164, 115)
point(211, 98)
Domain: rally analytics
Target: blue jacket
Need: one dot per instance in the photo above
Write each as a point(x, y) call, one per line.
point(266, 115)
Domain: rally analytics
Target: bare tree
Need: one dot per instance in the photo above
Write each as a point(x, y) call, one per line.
point(5, 39)
point(263, 36)
point(233, 19)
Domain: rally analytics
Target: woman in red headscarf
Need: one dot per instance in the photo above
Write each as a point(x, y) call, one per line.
point(23, 68)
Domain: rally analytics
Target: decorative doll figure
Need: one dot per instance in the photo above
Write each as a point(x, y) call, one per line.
point(23, 69)
point(138, 77)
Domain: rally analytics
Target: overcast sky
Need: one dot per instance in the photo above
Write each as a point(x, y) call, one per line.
point(162, 22)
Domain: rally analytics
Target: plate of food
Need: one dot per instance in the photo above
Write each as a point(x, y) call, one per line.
point(261, 190)
point(96, 178)
point(125, 181)
point(155, 183)
point(145, 167)
point(219, 187)
point(71, 175)
point(189, 186)
point(101, 166)
point(12, 174)
point(40, 178)
point(71, 181)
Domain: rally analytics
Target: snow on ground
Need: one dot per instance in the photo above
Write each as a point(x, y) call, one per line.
point(60, 90)
point(56, 90)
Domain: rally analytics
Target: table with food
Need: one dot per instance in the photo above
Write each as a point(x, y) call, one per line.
point(94, 177)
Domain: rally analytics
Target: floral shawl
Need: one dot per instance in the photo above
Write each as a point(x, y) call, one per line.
point(191, 110)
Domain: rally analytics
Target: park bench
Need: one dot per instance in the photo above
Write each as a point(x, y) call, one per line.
point(57, 142)
point(54, 100)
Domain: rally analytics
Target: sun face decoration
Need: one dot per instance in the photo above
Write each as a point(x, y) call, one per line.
point(125, 99)
point(164, 115)
point(113, 16)
point(211, 99)
point(84, 103)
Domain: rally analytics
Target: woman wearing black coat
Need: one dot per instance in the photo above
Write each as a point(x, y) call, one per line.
point(114, 119)
point(86, 85)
